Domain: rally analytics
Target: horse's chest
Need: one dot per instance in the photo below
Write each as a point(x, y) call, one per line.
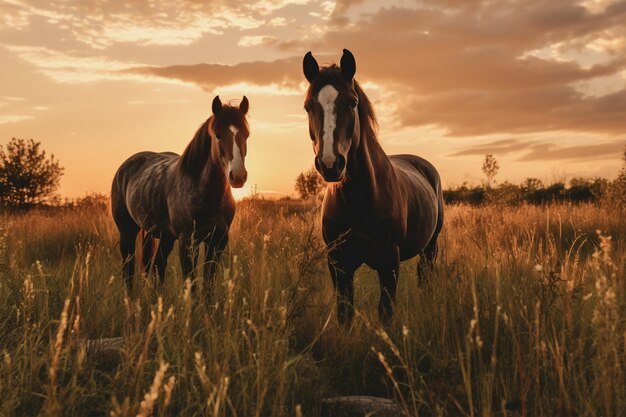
point(370, 231)
point(192, 215)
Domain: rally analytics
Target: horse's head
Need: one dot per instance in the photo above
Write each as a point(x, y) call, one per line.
point(331, 103)
point(230, 130)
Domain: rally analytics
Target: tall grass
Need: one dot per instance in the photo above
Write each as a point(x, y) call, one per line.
point(524, 316)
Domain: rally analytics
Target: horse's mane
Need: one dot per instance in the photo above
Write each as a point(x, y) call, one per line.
point(367, 118)
point(198, 151)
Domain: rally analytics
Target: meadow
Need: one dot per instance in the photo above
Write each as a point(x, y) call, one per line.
point(524, 315)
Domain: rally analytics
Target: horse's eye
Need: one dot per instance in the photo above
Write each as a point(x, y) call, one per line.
point(306, 108)
point(353, 103)
point(217, 136)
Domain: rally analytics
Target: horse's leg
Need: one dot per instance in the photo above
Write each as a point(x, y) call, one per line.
point(426, 261)
point(343, 262)
point(128, 234)
point(127, 249)
point(213, 252)
point(147, 251)
point(166, 244)
point(188, 254)
point(343, 281)
point(388, 274)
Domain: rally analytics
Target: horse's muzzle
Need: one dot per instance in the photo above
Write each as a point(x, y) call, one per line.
point(335, 172)
point(237, 181)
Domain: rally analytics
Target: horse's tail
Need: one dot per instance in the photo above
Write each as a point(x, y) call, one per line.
point(146, 243)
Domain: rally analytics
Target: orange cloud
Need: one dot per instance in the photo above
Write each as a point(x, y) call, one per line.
point(546, 151)
point(533, 150)
point(283, 72)
point(341, 7)
point(250, 41)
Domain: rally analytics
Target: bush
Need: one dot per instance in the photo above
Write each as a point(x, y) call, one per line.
point(309, 184)
point(27, 177)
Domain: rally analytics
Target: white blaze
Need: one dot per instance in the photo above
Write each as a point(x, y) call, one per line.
point(236, 166)
point(326, 98)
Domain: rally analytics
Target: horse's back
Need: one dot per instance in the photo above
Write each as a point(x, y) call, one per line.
point(139, 187)
point(418, 168)
point(139, 168)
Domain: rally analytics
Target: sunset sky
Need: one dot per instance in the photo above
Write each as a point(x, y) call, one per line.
point(541, 84)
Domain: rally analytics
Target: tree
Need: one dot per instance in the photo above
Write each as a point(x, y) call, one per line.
point(618, 187)
point(531, 184)
point(533, 190)
point(309, 184)
point(27, 176)
point(490, 168)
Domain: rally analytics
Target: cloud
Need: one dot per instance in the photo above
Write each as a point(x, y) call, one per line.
point(156, 102)
point(76, 69)
point(16, 14)
point(282, 73)
point(500, 147)
point(13, 118)
point(13, 98)
point(269, 6)
point(102, 24)
point(259, 40)
point(539, 150)
point(278, 21)
point(341, 7)
point(173, 26)
point(547, 152)
point(467, 113)
point(596, 6)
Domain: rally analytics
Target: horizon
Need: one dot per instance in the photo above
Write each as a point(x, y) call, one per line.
point(539, 85)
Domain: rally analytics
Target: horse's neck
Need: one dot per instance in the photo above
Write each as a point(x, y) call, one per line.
point(370, 174)
point(213, 180)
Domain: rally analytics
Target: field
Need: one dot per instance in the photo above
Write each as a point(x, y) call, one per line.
point(524, 316)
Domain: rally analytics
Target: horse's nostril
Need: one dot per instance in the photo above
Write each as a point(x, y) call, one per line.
point(341, 163)
point(231, 177)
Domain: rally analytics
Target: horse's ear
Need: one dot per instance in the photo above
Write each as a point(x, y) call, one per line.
point(217, 105)
point(310, 67)
point(244, 105)
point(348, 65)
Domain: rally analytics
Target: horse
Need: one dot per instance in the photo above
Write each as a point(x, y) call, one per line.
point(378, 209)
point(184, 197)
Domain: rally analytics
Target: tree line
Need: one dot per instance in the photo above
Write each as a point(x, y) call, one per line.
point(533, 191)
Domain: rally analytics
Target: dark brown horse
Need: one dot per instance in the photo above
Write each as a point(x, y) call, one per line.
point(185, 197)
point(378, 209)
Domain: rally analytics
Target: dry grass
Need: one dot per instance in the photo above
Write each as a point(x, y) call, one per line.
point(524, 316)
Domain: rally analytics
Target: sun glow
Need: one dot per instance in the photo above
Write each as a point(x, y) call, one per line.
point(242, 192)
